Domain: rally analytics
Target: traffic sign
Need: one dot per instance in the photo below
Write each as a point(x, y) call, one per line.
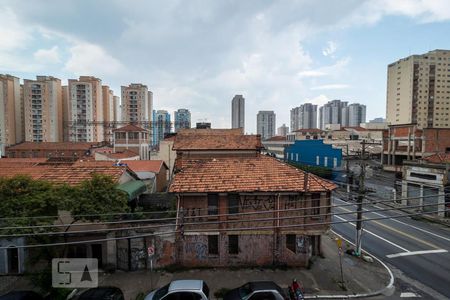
point(150, 250)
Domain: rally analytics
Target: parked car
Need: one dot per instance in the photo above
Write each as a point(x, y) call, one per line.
point(181, 290)
point(102, 293)
point(257, 290)
point(21, 295)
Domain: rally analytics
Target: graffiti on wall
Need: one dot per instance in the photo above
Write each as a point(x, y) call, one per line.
point(197, 247)
point(302, 244)
point(257, 202)
point(193, 214)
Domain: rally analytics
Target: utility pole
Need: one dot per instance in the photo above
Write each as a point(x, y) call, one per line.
point(360, 199)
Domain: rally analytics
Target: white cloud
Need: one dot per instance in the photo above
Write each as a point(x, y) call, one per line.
point(319, 100)
point(336, 86)
point(88, 58)
point(12, 34)
point(330, 49)
point(47, 55)
point(311, 73)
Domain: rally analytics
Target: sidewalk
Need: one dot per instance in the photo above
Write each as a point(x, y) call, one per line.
point(321, 279)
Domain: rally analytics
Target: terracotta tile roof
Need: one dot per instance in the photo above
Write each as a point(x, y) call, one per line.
point(154, 166)
point(35, 172)
point(74, 175)
point(276, 138)
point(71, 174)
point(438, 158)
point(55, 146)
point(130, 128)
point(217, 142)
point(127, 153)
point(211, 131)
point(244, 174)
point(311, 130)
point(20, 162)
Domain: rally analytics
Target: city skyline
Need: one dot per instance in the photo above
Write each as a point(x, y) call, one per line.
point(325, 56)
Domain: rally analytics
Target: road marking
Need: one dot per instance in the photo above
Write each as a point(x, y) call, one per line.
point(415, 227)
point(416, 253)
point(409, 295)
point(406, 224)
point(396, 230)
point(375, 235)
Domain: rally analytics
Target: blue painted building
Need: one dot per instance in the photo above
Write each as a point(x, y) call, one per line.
point(313, 153)
point(161, 126)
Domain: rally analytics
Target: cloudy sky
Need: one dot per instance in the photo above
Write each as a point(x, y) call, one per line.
point(199, 54)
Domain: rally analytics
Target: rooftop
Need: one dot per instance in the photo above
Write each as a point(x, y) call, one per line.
point(276, 138)
point(55, 146)
point(71, 174)
point(217, 142)
point(211, 131)
point(245, 174)
point(153, 166)
point(130, 128)
point(309, 130)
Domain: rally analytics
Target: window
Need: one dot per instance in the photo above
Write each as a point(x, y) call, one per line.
point(213, 203)
point(317, 160)
point(315, 204)
point(296, 156)
point(233, 203)
point(325, 161)
point(233, 244)
point(213, 244)
point(334, 162)
point(290, 242)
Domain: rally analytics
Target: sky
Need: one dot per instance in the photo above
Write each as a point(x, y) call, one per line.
point(198, 54)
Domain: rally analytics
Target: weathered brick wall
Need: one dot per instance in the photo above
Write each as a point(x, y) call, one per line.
point(437, 140)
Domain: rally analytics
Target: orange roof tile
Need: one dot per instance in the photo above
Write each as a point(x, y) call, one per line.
point(211, 131)
point(217, 142)
point(130, 128)
point(309, 130)
point(276, 138)
point(55, 146)
point(244, 174)
point(154, 166)
point(127, 153)
point(60, 173)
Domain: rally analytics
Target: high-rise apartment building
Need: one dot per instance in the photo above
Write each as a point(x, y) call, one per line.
point(353, 115)
point(331, 113)
point(117, 109)
point(11, 112)
point(418, 90)
point(108, 113)
point(304, 117)
point(265, 124)
point(43, 109)
point(182, 119)
point(283, 130)
point(161, 125)
point(238, 112)
point(137, 105)
point(85, 110)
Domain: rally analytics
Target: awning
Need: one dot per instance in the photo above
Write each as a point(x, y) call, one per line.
point(133, 188)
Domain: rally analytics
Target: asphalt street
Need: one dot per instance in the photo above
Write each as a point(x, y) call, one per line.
point(417, 252)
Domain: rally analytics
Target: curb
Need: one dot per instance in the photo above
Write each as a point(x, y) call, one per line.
point(365, 295)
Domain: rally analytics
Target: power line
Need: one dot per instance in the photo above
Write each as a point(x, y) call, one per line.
point(206, 209)
point(217, 230)
point(217, 222)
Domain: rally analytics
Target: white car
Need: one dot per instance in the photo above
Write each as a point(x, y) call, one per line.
point(181, 290)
